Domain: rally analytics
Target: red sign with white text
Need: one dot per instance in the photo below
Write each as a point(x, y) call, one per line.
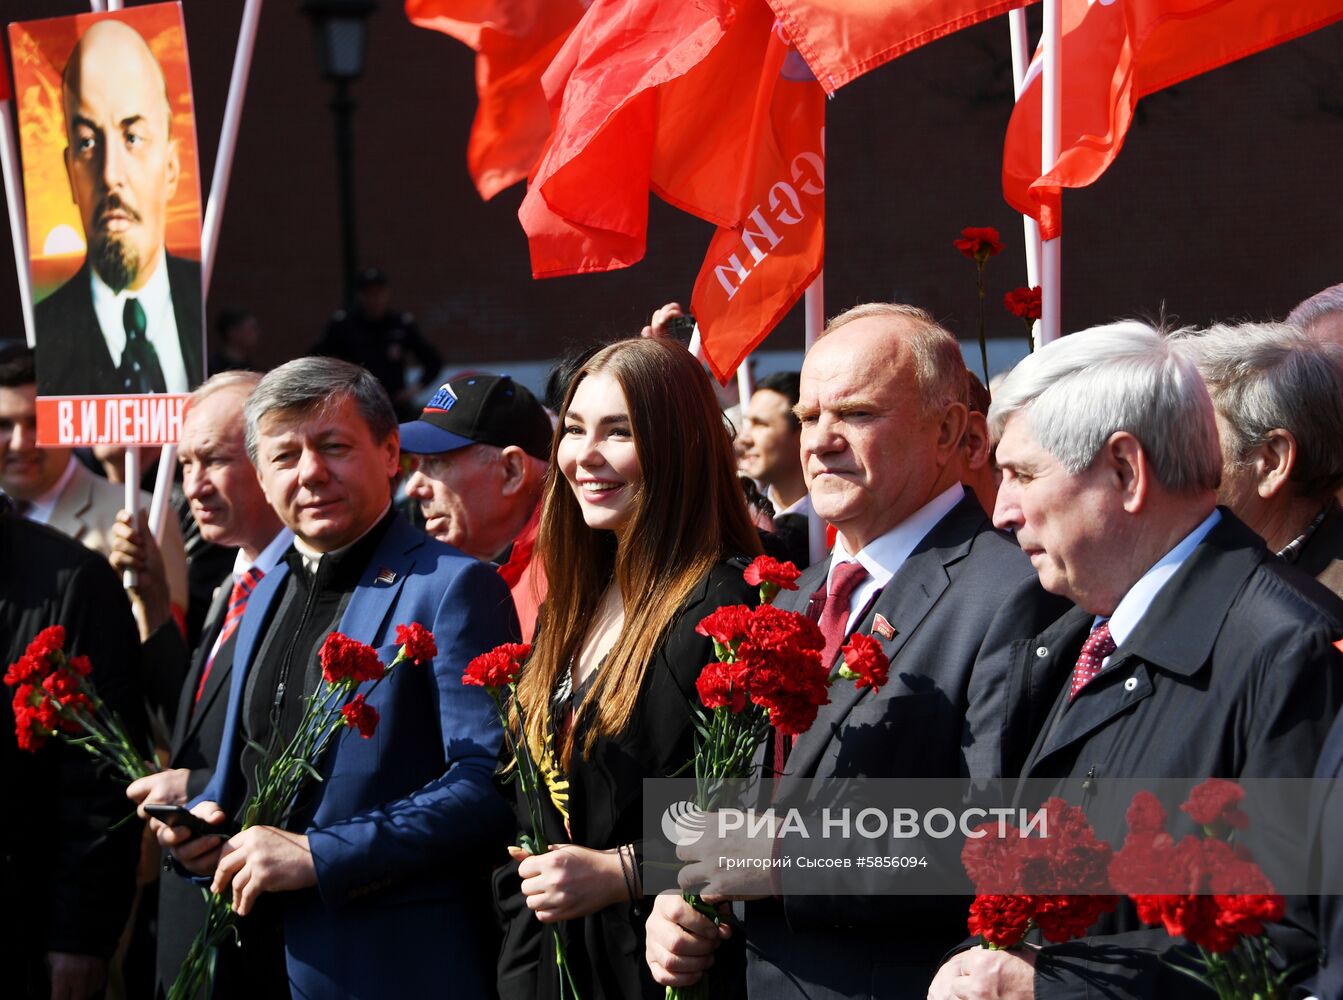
point(83, 421)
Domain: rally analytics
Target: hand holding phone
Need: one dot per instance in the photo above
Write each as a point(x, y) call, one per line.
point(182, 816)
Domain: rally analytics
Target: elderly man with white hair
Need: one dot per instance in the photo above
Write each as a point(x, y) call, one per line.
point(1278, 394)
point(1192, 651)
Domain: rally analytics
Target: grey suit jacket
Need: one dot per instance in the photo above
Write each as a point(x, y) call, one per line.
point(946, 605)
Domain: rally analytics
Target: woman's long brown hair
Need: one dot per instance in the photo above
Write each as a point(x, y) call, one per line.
point(688, 513)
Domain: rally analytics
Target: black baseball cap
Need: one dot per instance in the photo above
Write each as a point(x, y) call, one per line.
point(479, 409)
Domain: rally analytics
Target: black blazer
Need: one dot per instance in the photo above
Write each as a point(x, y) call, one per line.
point(606, 949)
point(1232, 673)
point(964, 593)
point(72, 356)
point(67, 871)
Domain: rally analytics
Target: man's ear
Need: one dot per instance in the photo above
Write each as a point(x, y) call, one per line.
point(976, 444)
point(952, 428)
point(1127, 469)
point(513, 465)
point(1273, 459)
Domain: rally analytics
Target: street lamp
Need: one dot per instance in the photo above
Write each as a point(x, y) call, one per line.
point(341, 32)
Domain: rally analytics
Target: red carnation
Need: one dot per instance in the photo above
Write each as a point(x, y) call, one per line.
point(343, 658)
point(771, 628)
point(28, 730)
point(27, 669)
point(1145, 815)
point(498, 668)
point(727, 625)
point(771, 576)
point(1002, 921)
point(1217, 802)
point(50, 640)
point(1024, 303)
point(360, 715)
point(864, 662)
point(979, 243)
point(416, 642)
point(722, 685)
point(80, 665)
point(63, 688)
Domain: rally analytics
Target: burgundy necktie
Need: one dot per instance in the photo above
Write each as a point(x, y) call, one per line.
point(1098, 646)
point(237, 604)
point(844, 580)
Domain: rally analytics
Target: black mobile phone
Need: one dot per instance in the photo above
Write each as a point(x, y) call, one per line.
point(681, 327)
point(182, 816)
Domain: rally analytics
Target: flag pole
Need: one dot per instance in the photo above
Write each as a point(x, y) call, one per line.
point(813, 304)
point(1020, 44)
point(18, 230)
point(1051, 254)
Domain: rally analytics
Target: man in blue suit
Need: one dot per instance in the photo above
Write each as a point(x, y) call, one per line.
point(366, 890)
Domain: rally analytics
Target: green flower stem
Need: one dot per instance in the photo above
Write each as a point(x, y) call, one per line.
point(983, 342)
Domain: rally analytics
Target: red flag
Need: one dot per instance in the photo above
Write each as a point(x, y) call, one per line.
point(514, 41)
point(1114, 54)
point(756, 270)
point(650, 95)
point(843, 39)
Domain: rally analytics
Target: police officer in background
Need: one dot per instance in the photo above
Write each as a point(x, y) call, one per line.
point(384, 341)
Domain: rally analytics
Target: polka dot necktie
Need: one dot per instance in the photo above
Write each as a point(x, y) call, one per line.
point(1098, 646)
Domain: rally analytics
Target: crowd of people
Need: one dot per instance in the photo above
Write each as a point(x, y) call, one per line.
point(1126, 562)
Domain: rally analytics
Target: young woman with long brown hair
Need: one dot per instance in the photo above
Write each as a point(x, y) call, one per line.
point(644, 531)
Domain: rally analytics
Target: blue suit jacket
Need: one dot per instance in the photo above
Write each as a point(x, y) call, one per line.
point(404, 821)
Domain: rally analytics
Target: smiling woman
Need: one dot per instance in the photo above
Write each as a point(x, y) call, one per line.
point(644, 531)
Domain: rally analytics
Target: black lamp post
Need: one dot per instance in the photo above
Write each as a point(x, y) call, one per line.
point(341, 38)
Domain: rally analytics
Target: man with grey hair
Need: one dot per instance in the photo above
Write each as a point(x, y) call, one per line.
point(389, 848)
point(1278, 394)
point(1192, 652)
point(1321, 315)
point(130, 318)
point(918, 567)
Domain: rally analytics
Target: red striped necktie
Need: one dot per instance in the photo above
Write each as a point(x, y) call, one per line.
point(237, 604)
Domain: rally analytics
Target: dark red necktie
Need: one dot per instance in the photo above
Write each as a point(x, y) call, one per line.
point(237, 604)
point(844, 580)
point(1098, 646)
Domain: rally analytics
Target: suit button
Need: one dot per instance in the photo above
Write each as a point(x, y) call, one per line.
point(1041, 651)
point(1131, 684)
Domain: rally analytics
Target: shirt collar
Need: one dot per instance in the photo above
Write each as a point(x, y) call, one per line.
point(801, 506)
point(884, 555)
point(155, 298)
point(44, 506)
point(1141, 595)
point(312, 558)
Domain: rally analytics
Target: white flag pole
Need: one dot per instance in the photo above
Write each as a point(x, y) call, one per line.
point(18, 229)
point(813, 304)
point(1051, 254)
point(1016, 23)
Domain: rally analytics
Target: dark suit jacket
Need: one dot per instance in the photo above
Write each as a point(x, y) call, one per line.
point(947, 604)
point(1322, 555)
point(606, 949)
point(1231, 673)
point(404, 820)
point(66, 875)
point(72, 356)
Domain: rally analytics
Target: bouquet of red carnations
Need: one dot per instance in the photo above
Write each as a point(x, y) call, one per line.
point(497, 672)
point(334, 706)
point(1057, 883)
point(768, 674)
point(53, 696)
point(1226, 899)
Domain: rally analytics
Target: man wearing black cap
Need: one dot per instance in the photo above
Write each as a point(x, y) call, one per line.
point(481, 448)
point(380, 339)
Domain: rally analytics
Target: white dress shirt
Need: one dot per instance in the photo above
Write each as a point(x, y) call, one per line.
point(883, 556)
point(41, 509)
point(156, 299)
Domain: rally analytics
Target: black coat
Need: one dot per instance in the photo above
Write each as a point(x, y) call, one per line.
point(965, 593)
point(67, 875)
point(72, 355)
point(606, 949)
point(1231, 673)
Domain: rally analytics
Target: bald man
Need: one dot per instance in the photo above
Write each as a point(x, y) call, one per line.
point(129, 321)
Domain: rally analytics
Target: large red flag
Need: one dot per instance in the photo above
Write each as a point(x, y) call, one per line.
point(843, 39)
point(650, 95)
point(514, 41)
point(756, 270)
point(1116, 52)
